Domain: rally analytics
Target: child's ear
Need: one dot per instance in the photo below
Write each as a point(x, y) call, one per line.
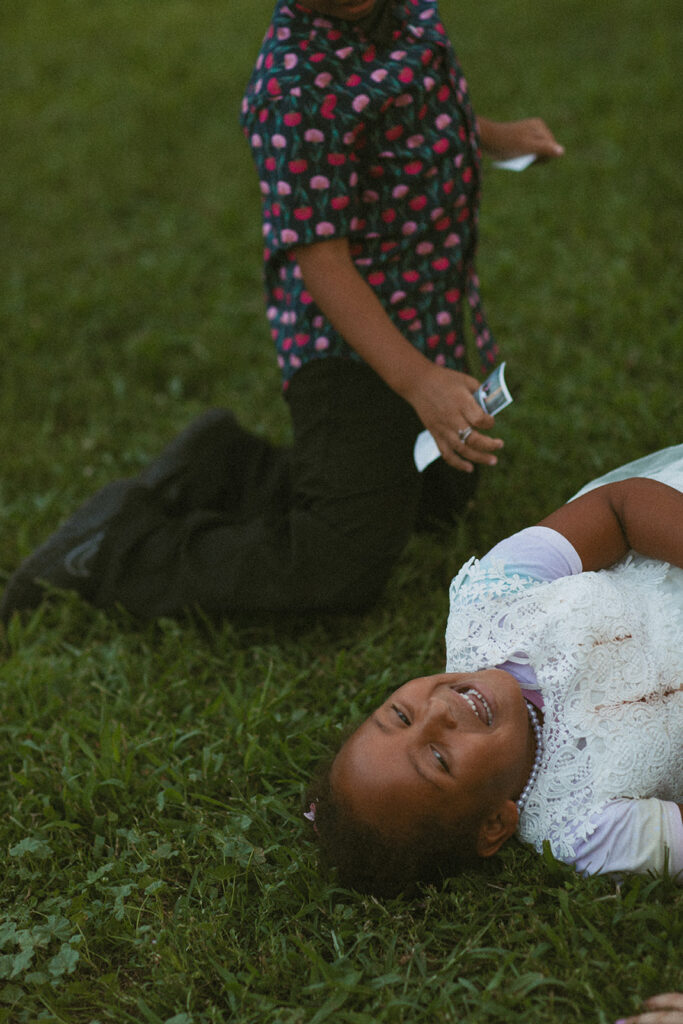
point(496, 828)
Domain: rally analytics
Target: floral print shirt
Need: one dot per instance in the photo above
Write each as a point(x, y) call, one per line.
point(379, 146)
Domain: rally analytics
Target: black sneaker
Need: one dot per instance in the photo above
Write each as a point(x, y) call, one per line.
point(66, 559)
point(193, 471)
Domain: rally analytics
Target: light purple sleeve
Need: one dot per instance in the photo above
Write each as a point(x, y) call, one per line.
point(634, 836)
point(538, 552)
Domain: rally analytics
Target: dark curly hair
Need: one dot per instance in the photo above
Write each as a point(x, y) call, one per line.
point(371, 862)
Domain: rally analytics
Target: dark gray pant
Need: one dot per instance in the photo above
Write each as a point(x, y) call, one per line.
point(318, 526)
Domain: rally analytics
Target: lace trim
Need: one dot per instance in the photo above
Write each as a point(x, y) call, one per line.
point(607, 651)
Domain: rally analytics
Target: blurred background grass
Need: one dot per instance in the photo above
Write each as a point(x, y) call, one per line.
point(152, 775)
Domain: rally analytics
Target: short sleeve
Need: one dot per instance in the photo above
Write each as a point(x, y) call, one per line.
point(634, 836)
point(536, 553)
point(306, 160)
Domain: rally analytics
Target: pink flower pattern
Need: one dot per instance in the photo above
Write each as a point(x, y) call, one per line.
point(379, 146)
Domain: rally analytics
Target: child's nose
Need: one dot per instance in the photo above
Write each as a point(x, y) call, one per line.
point(439, 711)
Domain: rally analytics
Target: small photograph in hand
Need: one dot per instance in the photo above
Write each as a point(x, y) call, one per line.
point(493, 394)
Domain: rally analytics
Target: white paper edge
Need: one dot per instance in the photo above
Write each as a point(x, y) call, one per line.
point(425, 450)
point(517, 163)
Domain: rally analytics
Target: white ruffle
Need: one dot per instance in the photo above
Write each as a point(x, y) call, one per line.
point(607, 652)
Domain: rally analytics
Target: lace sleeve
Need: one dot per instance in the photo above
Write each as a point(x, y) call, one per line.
point(529, 558)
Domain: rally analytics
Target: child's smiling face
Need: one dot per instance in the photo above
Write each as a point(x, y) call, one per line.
point(450, 748)
point(349, 10)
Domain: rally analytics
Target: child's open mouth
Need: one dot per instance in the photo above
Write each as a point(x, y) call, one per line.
point(477, 703)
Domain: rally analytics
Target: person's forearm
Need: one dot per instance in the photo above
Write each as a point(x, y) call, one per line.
point(442, 398)
point(607, 522)
point(352, 307)
point(651, 516)
point(505, 139)
point(488, 135)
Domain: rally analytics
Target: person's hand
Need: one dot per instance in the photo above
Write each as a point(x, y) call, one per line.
point(664, 1009)
point(443, 400)
point(503, 140)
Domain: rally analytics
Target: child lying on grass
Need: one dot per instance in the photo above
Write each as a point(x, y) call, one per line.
point(559, 716)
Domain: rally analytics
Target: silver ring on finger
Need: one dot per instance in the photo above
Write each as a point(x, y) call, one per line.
point(464, 434)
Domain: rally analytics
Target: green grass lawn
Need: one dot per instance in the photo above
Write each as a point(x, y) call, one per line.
point(156, 862)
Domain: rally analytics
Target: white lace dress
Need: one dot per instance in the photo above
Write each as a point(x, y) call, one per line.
point(604, 650)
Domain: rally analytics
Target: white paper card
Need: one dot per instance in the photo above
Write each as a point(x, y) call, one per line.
point(425, 451)
point(517, 163)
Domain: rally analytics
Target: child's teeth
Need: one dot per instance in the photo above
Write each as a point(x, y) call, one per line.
point(471, 703)
point(484, 704)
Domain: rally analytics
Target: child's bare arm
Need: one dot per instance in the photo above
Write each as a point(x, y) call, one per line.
point(442, 398)
point(506, 139)
point(604, 524)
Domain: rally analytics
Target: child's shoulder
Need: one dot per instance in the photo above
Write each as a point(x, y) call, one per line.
point(306, 57)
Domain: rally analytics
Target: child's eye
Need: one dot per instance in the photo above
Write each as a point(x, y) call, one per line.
point(400, 715)
point(442, 762)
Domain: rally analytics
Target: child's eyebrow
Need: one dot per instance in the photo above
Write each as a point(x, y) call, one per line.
point(379, 723)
